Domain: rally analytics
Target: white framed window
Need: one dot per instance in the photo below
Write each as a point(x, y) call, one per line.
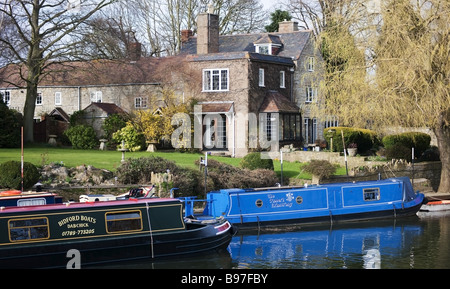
point(215, 79)
point(263, 49)
point(6, 97)
point(311, 94)
point(140, 102)
point(96, 96)
point(311, 63)
point(282, 79)
point(39, 98)
point(261, 77)
point(58, 98)
point(331, 121)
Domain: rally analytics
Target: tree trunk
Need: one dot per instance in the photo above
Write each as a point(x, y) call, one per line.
point(442, 132)
point(28, 113)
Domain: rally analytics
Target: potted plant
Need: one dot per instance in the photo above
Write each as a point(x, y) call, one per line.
point(352, 149)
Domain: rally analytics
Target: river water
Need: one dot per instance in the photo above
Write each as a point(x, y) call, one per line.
point(419, 242)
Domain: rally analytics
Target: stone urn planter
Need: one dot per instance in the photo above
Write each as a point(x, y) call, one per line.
point(352, 150)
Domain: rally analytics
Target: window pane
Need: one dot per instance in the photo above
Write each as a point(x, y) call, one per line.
point(207, 80)
point(224, 80)
point(28, 229)
point(123, 221)
point(215, 80)
point(372, 194)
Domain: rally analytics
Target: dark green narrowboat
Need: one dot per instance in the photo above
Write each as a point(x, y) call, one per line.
point(46, 236)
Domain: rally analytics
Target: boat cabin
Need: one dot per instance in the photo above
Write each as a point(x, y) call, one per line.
point(19, 199)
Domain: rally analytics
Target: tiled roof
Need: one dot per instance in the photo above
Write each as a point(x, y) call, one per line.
point(216, 107)
point(276, 102)
point(97, 72)
point(239, 55)
point(293, 43)
point(109, 108)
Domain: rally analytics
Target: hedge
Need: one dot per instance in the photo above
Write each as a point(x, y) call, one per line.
point(408, 140)
point(364, 138)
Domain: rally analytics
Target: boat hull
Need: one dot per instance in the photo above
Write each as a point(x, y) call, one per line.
point(81, 235)
point(298, 206)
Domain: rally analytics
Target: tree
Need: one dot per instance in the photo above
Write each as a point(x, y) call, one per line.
point(413, 71)
point(277, 17)
point(37, 36)
point(155, 125)
point(403, 81)
point(158, 23)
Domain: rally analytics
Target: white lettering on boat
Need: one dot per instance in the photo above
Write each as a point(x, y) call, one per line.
point(77, 225)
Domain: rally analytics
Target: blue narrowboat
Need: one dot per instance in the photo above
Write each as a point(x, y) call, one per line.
point(268, 207)
point(49, 235)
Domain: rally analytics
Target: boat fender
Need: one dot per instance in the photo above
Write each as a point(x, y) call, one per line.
point(10, 193)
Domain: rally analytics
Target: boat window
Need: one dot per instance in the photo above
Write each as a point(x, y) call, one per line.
point(31, 202)
point(123, 221)
point(372, 194)
point(299, 200)
point(28, 229)
point(259, 203)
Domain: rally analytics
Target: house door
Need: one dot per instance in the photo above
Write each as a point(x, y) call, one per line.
point(215, 131)
point(310, 130)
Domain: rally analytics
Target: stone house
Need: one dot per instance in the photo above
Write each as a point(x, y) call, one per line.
point(96, 113)
point(269, 74)
point(253, 90)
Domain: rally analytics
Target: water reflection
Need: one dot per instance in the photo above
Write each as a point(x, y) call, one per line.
point(358, 245)
point(417, 242)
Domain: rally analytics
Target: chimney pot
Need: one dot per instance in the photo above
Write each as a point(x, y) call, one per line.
point(186, 34)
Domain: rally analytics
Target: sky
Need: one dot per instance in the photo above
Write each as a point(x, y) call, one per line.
point(268, 3)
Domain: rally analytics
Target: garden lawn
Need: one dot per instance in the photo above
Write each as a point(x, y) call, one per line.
point(110, 160)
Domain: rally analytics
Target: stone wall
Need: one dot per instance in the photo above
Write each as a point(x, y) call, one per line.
point(428, 174)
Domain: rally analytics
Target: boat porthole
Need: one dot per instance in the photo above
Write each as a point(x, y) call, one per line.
point(299, 200)
point(259, 203)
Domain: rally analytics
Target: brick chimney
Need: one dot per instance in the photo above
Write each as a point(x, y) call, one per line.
point(134, 51)
point(185, 35)
point(288, 26)
point(208, 32)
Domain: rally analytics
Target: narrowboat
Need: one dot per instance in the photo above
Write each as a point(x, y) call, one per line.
point(46, 236)
point(16, 198)
point(266, 208)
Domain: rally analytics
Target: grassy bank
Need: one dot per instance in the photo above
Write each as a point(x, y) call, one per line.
point(110, 160)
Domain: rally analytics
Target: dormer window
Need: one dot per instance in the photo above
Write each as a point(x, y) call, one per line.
point(268, 49)
point(268, 44)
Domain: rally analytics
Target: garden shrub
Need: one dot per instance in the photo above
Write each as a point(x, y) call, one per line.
point(398, 151)
point(11, 121)
point(138, 171)
point(134, 141)
point(112, 124)
point(431, 155)
point(417, 140)
point(226, 176)
point(320, 168)
point(10, 175)
point(82, 137)
point(254, 161)
point(364, 138)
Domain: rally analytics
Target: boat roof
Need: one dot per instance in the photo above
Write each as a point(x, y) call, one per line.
point(329, 185)
point(80, 205)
